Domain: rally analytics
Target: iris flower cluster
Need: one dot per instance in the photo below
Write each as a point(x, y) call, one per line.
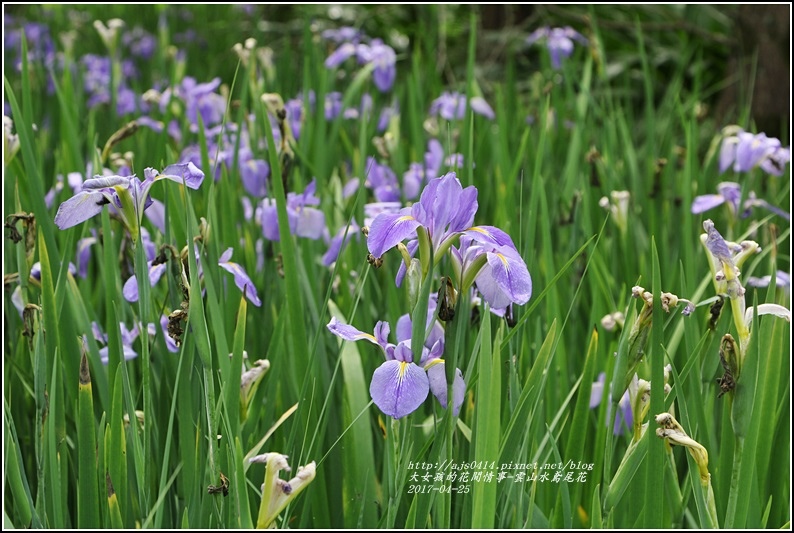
point(484, 257)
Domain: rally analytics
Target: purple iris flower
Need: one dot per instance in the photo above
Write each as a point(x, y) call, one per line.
point(241, 278)
point(379, 54)
point(559, 41)
point(744, 151)
point(385, 61)
point(730, 193)
point(304, 221)
point(624, 417)
point(386, 115)
point(445, 209)
point(199, 98)
point(782, 280)
point(489, 256)
point(345, 34)
point(339, 240)
point(333, 105)
point(140, 42)
point(294, 110)
point(130, 288)
point(415, 176)
point(254, 173)
point(128, 194)
point(452, 106)
point(383, 181)
point(401, 384)
point(128, 336)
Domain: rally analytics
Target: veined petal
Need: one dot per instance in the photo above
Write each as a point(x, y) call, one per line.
point(398, 388)
point(508, 271)
point(490, 235)
point(389, 230)
point(241, 278)
point(706, 202)
point(105, 182)
point(80, 208)
point(349, 333)
point(437, 376)
point(188, 172)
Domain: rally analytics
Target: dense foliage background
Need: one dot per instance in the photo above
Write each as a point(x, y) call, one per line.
point(639, 105)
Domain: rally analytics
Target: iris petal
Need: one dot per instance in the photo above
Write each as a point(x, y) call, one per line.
point(398, 388)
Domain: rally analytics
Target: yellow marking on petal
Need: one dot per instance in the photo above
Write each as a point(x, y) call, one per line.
point(404, 218)
point(433, 362)
point(480, 230)
point(369, 336)
point(401, 371)
point(504, 259)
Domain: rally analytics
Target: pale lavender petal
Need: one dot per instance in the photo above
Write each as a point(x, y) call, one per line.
point(382, 330)
point(481, 107)
point(130, 289)
point(732, 192)
point(706, 202)
point(437, 377)
point(389, 230)
point(241, 278)
point(727, 152)
point(129, 353)
point(350, 188)
point(340, 55)
point(782, 280)
point(349, 333)
point(156, 215)
point(225, 256)
point(412, 246)
point(311, 223)
point(490, 235)
point(404, 328)
point(538, 34)
point(384, 76)
point(776, 161)
point(156, 272)
point(434, 157)
point(338, 241)
point(84, 255)
point(402, 352)
point(510, 272)
point(80, 208)
point(624, 419)
point(105, 182)
point(16, 299)
point(504, 279)
point(254, 174)
point(398, 388)
point(716, 244)
point(597, 390)
point(188, 172)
